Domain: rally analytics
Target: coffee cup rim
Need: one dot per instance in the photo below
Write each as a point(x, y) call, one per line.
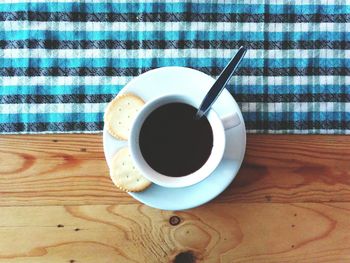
point(187, 180)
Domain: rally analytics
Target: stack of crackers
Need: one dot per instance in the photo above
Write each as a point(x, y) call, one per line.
point(118, 118)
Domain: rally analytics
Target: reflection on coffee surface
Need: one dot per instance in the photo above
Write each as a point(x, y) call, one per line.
point(173, 142)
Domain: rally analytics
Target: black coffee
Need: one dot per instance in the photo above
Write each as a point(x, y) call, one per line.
point(173, 142)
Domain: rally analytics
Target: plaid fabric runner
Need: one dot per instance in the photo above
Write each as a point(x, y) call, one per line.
point(61, 62)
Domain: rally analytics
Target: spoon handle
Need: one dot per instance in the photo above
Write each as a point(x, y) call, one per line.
point(220, 83)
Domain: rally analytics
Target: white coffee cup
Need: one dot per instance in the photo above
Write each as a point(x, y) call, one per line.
point(218, 126)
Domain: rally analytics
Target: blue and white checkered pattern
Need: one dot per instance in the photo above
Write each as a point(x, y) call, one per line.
point(61, 62)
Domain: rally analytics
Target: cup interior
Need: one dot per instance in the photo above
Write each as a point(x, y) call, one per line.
point(187, 180)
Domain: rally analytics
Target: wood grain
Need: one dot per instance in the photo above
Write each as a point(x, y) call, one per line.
point(289, 203)
point(225, 233)
point(71, 170)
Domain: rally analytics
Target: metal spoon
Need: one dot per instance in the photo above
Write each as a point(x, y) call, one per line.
point(220, 83)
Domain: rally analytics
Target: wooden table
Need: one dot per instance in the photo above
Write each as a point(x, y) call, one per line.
point(289, 203)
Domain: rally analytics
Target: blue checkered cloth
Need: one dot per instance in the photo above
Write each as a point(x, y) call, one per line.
point(61, 62)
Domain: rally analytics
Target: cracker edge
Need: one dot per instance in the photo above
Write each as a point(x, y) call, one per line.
point(133, 191)
point(137, 190)
point(108, 108)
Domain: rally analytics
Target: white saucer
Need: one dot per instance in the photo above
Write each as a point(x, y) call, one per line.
point(166, 81)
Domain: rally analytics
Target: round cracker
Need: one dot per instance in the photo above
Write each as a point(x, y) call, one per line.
point(120, 114)
point(125, 175)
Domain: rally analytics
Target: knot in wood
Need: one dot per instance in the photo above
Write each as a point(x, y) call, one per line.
point(174, 220)
point(185, 257)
